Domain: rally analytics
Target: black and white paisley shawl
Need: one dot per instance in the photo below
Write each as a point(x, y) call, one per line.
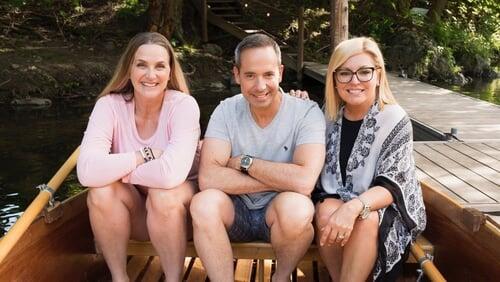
point(383, 148)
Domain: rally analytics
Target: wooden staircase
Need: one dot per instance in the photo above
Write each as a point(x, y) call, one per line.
point(229, 16)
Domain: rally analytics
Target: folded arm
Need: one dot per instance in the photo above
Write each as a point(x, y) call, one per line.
point(214, 173)
point(172, 168)
point(96, 166)
point(299, 176)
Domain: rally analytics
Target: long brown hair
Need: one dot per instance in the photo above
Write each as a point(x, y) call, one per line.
point(342, 53)
point(120, 82)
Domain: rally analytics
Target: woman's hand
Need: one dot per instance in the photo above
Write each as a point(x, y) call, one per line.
point(341, 223)
point(302, 94)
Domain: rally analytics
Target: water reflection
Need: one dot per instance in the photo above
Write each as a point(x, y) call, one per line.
point(33, 144)
point(488, 91)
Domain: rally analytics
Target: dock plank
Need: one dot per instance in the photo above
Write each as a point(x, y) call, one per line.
point(469, 163)
point(451, 182)
point(488, 150)
point(422, 176)
point(451, 165)
point(494, 145)
point(477, 155)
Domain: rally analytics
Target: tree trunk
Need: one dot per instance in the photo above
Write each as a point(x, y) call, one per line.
point(339, 22)
point(165, 17)
point(436, 10)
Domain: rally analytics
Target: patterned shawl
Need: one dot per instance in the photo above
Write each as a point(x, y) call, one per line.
point(383, 149)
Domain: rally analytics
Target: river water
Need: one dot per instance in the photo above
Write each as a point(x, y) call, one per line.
point(35, 142)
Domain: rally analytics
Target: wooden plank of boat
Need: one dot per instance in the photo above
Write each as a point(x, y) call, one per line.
point(305, 271)
point(59, 251)
point(323, 274)
point(135, 266)
point(154, 271)
point(243, 270)
point(197, 272)
point(462, 253)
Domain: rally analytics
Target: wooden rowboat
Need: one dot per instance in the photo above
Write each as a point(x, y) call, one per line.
point(56, 244)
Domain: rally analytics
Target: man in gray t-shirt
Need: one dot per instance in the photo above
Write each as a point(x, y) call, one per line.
point(262, 154)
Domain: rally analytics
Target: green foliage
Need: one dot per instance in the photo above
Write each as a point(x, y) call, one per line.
point(467, 39)
point(134, 8)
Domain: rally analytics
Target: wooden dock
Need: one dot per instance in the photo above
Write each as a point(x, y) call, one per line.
point(436, 108)
point(467, 172)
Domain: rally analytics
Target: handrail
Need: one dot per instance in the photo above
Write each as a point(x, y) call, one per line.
point(41, 200)
point(426, 264)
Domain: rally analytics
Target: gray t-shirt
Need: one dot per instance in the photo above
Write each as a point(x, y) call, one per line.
point(297, 122)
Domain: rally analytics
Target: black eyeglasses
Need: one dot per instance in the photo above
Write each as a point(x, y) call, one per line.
point(363, 74)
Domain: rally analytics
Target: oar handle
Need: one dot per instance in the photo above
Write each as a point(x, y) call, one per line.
point(426, 264)
point(29, 215)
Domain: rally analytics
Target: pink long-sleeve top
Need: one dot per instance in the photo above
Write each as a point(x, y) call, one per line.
point(107, 153)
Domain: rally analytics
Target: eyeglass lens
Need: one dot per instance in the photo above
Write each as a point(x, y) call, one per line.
point(363, 75)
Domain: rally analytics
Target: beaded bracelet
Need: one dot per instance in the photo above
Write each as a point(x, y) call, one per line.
point(147, 154)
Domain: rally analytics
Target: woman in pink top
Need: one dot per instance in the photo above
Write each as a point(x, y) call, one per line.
point(136, 156)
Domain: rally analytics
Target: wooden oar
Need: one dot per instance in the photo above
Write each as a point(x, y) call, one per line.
point(29, 215)
point(426, 264)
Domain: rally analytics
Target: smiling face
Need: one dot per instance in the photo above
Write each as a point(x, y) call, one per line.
point(259, 76)
point(357, 94)
point(150, 71)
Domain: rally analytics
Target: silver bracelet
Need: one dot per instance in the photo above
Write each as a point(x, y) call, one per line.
point(147, 154)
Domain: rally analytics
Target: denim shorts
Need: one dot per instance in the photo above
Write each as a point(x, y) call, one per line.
point(248, 225)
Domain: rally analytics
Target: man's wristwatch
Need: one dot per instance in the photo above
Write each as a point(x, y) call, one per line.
point(365, 212)
point(245, 163)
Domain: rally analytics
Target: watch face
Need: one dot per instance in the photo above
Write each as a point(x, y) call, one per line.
point(245, 161)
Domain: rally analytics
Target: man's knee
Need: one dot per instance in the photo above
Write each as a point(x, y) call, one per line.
point(294, 212)
point(207, 206)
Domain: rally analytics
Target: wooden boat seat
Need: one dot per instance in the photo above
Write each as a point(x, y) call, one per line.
point(253, 254)
point(255, 250)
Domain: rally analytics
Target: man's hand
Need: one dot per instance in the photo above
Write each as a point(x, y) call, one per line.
point(234, 163)
point(302, 94)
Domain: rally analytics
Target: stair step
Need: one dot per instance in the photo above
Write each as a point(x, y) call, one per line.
point(220, 1)
point(229, 15)
point(223, 8)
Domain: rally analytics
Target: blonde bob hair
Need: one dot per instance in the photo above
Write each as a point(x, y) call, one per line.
point(120, 82)
point(341, 54)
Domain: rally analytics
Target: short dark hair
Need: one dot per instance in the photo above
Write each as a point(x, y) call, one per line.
point(255, 41)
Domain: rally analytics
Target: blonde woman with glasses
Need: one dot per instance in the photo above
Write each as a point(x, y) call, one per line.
point(369, 205)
